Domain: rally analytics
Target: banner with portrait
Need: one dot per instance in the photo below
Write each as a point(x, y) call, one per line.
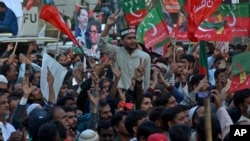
point(88, 30)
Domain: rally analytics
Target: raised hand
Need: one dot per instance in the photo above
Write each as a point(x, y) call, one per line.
point(10, 47)
point(50, 77)
point(112, 18)
point(115, 71)
point(140, 71)
point(27, 87)
point(122, 94)
point(22, 58)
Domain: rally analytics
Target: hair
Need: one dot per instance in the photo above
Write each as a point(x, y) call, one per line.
point(95, 23)
point(5, 68)
point(240, 96)
point(79, 11)
point(195, 79)
point(180, 132)
point(146, 128)
point(188, 57)
point(201, 131)
point(162, 99)
point(2, 4)
point(13, 97)
point(59, 55)
point(218, 72)
point(102, 81)
point(103, 124)
point(132, 119)
point(155, 112)
point(69, 109)
point(47, 132)
point(168, 115)
point(103, 103)
point(62, 101)
point(117, 117)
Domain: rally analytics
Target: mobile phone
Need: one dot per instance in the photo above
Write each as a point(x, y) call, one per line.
point(201, 95)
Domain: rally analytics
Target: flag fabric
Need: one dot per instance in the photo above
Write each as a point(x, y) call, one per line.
point(203, 65)
point(198, 11)
point(237, 24)
point(135, 11)
point(51, 14)
point(237, 16)
point(214, 31)
point(58, 72)
point(30, 4)
point(241, 72)
point(153, 30)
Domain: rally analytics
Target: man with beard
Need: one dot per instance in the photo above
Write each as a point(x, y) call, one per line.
point(8, 131)
point(72, 120)
point(117, 122)
point(128, 58)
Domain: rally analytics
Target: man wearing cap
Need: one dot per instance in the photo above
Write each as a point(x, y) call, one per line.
point(128, 57)
point(3, 82)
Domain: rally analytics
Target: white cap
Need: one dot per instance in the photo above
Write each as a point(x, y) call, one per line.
point(3, 79)
point(88, 135)
point(32, 107)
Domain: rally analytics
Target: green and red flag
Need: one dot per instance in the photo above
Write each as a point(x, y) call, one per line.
point(135, 11)
point(197, 12)
point(153, 30)
point(241, 72)
point(237, 16)
point(203, 65)
point(234, 17)
point(51, 14)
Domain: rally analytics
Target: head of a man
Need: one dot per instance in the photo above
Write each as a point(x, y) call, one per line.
point(83, 17)
point(4, 105)
point(242, 101)
point(94, 29)
point(2, 7)
point(128, 38)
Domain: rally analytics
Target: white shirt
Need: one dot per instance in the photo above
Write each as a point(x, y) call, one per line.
point(7, 130)
point(127, 62)
point(15, 6)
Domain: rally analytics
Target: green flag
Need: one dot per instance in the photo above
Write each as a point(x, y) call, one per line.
point(203, 65)
point(153, 30)
point(135, 11)
point(241, 72)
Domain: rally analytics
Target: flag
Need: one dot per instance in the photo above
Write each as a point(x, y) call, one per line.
point(241, 72)
point(198, 11)
point(30, 4)
point(58, 72)
point(214, 31)
point(135, 11)
point(203, 65)
point(153, 30)
point(237, 16)
point(51, 14)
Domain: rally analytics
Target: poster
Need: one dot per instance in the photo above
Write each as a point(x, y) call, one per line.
point(87, 32)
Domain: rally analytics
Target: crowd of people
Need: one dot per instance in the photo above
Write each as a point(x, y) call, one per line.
point(129, 94)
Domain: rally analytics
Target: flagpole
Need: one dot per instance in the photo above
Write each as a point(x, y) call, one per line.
point(208, 127)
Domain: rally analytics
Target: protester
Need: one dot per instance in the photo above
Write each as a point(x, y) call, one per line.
point(8, 20)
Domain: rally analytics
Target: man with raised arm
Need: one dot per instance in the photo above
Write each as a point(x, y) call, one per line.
point(128, 57)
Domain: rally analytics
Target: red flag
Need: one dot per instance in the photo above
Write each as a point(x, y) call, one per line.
point(29, 4)
point(198, 11)
point(51, 14)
